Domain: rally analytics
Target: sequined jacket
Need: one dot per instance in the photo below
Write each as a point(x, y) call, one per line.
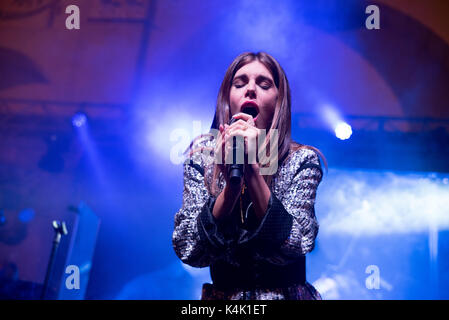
point(244, 255)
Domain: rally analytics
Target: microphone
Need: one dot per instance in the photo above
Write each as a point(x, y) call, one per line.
point(236, 170)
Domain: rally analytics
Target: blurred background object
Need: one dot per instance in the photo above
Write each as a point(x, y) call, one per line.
point(89, 115)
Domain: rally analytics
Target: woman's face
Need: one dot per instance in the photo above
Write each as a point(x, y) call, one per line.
point(253, 91)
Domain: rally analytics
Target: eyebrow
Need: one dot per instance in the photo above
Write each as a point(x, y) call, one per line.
point(263, 78)
point(259, 78)
point(242, 77)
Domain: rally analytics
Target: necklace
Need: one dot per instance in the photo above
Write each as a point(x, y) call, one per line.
point(241, 203)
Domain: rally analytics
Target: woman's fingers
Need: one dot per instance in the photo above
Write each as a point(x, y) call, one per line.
point(242, 127)
point(244, 117)
point(243, 131)
point(239, 122)
point(227, 132)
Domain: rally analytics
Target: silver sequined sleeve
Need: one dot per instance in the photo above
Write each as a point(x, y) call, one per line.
point(296, 186)
point(188, 245)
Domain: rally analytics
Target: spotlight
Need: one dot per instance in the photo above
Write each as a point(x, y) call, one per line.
point(79, 120)
point(333, 118)
point(2, 218)
point(343, 131)
point(26, 215)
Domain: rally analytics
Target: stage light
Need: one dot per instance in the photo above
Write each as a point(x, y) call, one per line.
point(172, 134)
point(343, 131)
point(335, 121)
point(79, 119)
point(2, 218)
point(330, 115)
point(26, 215)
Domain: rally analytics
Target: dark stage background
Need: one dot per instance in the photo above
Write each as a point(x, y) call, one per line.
point(95, 118)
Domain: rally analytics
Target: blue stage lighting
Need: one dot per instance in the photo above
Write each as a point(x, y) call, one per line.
point(343, 131)
point(79, 120)
point(26, 215)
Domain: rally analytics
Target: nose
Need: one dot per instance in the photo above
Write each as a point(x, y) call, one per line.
point(251, 90)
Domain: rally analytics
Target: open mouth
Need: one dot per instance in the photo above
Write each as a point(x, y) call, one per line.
point(250, 108)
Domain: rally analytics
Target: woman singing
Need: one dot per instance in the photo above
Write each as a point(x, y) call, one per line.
point(254, 234)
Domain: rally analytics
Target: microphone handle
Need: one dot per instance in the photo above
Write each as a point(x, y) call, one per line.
point(236, 173)
point(235, 170)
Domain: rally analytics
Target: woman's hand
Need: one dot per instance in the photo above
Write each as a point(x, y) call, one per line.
point(227, 198)
point(245, 127)
point(257, 187)
point(223, 149)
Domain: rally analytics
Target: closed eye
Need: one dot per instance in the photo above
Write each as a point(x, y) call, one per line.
point(264, 82)
point(265, 85)
point(240, 81)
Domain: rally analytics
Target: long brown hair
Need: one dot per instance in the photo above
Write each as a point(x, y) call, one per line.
point(281, 118)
